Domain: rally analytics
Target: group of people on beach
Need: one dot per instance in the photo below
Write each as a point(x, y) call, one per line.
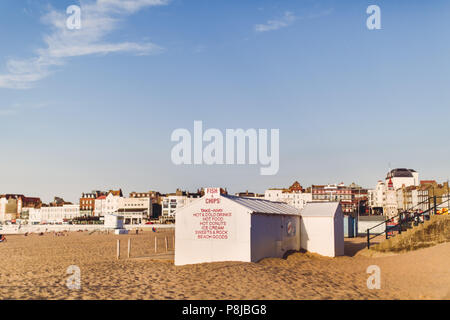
point(57, 234)
point(26, 234)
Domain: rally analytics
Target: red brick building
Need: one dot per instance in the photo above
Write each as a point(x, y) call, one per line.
point(87, 202)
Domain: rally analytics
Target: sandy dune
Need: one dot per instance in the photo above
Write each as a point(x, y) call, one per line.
point(34, 267)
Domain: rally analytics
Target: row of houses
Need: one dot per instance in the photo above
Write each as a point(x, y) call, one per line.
point(137, 208)
point(353, 198)
point(401, 190)
point(141, 206)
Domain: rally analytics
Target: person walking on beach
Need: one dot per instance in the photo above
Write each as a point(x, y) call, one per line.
point(2, 238)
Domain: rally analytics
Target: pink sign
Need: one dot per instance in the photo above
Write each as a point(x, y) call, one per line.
point(212, 219)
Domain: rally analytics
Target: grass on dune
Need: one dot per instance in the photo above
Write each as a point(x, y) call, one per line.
point(431, 233)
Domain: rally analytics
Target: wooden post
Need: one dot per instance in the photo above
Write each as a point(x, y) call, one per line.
point(129, 247)
point(156, 244)
point(173, 238)
point(166, 244)
point(118, 249)
point(368, 239)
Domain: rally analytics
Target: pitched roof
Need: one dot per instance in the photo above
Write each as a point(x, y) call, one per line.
point(400, 173)
point(296, 187)
point(428, 182)
point(116, 192)
point(320, 209)
point(264, 206)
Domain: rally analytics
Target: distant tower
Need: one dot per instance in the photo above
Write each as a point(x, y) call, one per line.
point(391, 207)
point(390, 184)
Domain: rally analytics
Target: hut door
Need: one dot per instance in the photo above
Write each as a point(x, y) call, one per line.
point(279, 242)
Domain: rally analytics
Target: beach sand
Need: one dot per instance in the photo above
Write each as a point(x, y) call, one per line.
point(34, 267)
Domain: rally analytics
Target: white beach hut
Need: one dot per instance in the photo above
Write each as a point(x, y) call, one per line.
point(220, 227)
point(322, 228)
point(113, 221)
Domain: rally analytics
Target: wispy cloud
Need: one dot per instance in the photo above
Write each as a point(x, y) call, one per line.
point(7, 112)
point(320, 14)
point(18, 108)
point(287, 19)
point(11, 110)
point(99, 18)
point(199, 48)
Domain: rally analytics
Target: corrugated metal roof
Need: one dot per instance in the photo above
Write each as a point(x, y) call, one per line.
point(264, 206)
point(320, 209)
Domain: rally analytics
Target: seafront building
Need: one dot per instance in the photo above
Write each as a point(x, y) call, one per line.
point(87, 202)
point(353, 198)
point(376, 196)
point(403, 177)
point(173, 201)
point(388, 195)
point(402, 190)
point(416, 197)
point(134, 209)
point(295, 195)
point(12, 205)
point(54, 215)
point(155, 198)
point(107, 204)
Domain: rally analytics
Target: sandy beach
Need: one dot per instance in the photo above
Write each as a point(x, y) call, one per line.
point(34, 267)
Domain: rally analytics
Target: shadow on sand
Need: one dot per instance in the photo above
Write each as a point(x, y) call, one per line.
point(352, 248)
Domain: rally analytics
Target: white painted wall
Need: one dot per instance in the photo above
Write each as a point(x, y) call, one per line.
point(364, 225)
point(111, 204)
point(135, 203)
point(317, 235)
point(172, 203)
point(249, 236)
point(100, 207)
point(58, 214)
point(189, 249)
point(398, 182)
point(273, 194)
point(3, 203)
point(34, 216)
point(416, 178)
point(390, 207)
point(113, 221)
point(322, 229)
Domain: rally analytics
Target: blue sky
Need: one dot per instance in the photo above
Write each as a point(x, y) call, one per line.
point(95, 109)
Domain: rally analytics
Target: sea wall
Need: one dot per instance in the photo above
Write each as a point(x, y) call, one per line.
point(16, 229)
